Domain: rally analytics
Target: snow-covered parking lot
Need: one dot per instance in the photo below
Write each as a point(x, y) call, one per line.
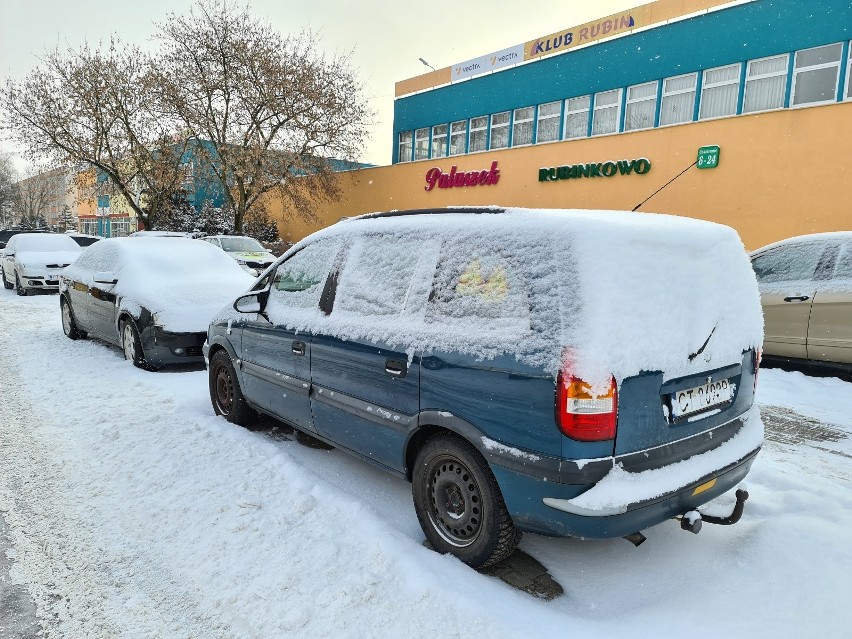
point(133, 512)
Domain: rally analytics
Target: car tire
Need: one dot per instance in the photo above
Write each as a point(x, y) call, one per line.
point(69, 326)
point(131, 345)
point(459, 504)
point(20, 290)
point(225, 392)
point(7, 285)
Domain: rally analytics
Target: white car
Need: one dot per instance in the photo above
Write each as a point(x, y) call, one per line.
point(32, 261)
point(247, 251)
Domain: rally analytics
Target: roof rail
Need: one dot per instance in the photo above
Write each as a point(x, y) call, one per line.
point(476, 210)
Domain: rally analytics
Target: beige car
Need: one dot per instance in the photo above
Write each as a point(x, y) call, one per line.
point(806, 293)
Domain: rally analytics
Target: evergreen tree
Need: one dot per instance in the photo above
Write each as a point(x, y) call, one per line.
point(260, 226)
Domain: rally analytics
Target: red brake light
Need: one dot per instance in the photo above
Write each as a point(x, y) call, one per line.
point(583, 414)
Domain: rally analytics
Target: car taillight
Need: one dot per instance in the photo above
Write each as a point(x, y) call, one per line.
point(583, 414)
point(758, 355)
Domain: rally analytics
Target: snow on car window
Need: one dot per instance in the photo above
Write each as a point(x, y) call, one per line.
point(299, 281)
point(843, 268)
point(378, 275)
point(790, 263)
point(242, 245)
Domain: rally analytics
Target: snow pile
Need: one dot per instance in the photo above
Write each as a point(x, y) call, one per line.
point(182, 282)
point(623, 292)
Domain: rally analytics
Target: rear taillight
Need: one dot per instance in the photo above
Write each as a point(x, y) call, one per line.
point(758, 355)
point(583, 414)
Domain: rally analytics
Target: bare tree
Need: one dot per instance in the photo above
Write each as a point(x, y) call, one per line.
point(91, 106)
point(269, 109)
point(7, 190)
point(33, 196)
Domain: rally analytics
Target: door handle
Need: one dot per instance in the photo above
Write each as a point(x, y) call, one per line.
point(396, 367)
point(298, 347)
point(797, 298)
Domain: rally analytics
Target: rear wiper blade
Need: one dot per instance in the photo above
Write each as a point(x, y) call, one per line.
point(703, 346)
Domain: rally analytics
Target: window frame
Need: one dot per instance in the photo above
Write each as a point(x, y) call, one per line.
point(516, 122)
point(444, 146)
point(715, 85)
point(664, 95)
point(456, 134)
point(471, 130)
point(847, 90)
point(816, 67)
point(568, 112)
point(618, 104)
point(427, 131)
point(505, 125)
point(652, 98)
point(765, 76)
point(539, 118)
point(400, 157)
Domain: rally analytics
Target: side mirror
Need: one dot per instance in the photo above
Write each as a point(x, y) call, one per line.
point(249, 303)
point(105, 277)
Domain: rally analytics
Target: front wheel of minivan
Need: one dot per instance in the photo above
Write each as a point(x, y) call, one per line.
point(225, 392)
point(459, 504)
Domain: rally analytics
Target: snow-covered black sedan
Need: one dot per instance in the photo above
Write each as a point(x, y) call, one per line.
point(152, 296)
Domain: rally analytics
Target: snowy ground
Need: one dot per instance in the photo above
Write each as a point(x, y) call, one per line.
point(133, 512)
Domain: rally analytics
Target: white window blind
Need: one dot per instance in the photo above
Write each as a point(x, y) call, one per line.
point(719, 92)
point(421, 144)
point(500, 130)
point(478, 134)
point(439, 141)
point(522, 127)
point(607, 106)
point(641, 106)
point(678, 101)
point(548, 122)
point(766, 80)
point(577, 117)
point(405, 146)
point(458, 137)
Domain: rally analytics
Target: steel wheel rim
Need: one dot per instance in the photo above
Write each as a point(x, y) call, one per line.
point(66, 318)
point(224, 387)
point(455, 501)
point(129, 343)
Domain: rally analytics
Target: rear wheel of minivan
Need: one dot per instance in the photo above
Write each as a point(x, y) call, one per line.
point(459, 504)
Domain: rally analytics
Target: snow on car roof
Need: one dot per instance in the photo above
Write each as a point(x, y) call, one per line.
point(624, 292)
point(44, 242)
point(181, 280)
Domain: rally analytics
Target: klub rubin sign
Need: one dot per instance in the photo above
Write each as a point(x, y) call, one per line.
point(435, 177)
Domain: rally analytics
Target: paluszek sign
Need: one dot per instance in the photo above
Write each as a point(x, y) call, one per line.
point(455, 178)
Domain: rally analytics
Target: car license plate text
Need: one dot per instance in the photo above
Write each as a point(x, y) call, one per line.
point(698, 398)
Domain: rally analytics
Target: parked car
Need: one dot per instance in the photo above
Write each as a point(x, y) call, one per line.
point(153, 297)
point(250, 254)
point(84, 239)
point(32, 261)
point(570, 373)
point(806, 293)
point(5, 234)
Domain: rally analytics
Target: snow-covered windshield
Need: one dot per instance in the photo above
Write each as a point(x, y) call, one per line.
point(241, 245)
point(45, 243)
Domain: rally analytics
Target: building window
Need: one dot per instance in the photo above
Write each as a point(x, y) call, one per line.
point(405, 146)
point(120, 227)
point(607, 108)
point(548, 122)
point(439, 141)
point(719, 92)
point(678, 101)
point(500, 130)
point(848, 74)
point(766, 81)
point(577, 117)
point(478, 134)
point(421, 144)
point(458, 137)
point(815, 75)
point(522, 127)
point(641, 106)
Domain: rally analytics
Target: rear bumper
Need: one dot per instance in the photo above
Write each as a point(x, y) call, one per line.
point(162, 347)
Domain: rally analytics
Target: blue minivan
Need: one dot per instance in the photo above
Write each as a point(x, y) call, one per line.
point(570, 373)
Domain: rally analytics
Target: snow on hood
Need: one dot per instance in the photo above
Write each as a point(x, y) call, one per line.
point(619, 292)
point(182, 282)
point(41, 259)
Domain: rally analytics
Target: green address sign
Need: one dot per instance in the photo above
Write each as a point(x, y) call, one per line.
point(708, 157)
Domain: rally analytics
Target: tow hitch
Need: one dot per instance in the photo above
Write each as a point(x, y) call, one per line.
point(692, 520)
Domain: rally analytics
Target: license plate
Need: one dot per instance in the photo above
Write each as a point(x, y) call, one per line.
point(699, 398)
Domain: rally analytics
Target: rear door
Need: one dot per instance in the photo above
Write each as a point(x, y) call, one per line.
point(366, 391)
point(830, 328)
point(276, 354)
point(786, 276)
